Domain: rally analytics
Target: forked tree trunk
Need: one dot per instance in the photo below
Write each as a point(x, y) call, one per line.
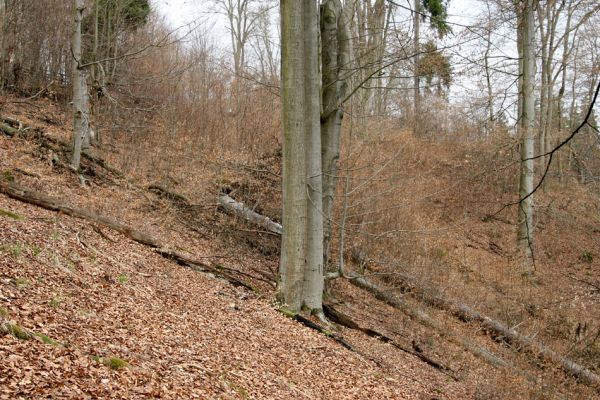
point(80, 107)
point(526, 126)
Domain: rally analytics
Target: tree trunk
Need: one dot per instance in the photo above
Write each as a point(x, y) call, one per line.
point(417, 94)
point(526, 125)
point(80, 107)
point(313, 273)
point(3, 32)
point(336, 55)
point(293, 243)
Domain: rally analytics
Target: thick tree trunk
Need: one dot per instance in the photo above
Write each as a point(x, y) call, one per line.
point(526, 126)
point(80, 106)
point(293, 243)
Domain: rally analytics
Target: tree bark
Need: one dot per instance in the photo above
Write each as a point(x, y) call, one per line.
point(417, 93)
point(526, 126)
point(313, 272)
point(80, 95)
point(336, 56)
point(293, 243)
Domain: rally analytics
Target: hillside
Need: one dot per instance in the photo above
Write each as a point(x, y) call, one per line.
point(103, 316)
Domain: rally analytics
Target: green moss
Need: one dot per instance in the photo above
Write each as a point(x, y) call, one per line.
point(122, 279)
point(36, 251)
point(9, 214)
point(22, 282)
point(55, 302)
point(114, 363)
point(46, 339)
point(287, 312)
point(8, 175)
point(14, 249)
point(586, 257)
point(18, 332)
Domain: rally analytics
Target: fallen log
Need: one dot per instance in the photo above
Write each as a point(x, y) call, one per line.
point(340, 318)
point(168, 194)
point(234, 207)
point(427, 320)
point(8, 130)
point(498, 329)
point(36, 198)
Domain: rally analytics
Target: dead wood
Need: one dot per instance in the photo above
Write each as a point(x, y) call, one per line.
point(168, 194)
point(8, 130)
point(495, 328)
point(36, 198)
point(340, 318)
point(234, 207)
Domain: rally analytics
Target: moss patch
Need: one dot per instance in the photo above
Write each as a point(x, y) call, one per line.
point(47, 339)
point(18, 332)
point(114, 363)
point(9, 214)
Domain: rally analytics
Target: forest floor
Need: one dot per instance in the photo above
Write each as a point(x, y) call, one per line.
point(93, 314)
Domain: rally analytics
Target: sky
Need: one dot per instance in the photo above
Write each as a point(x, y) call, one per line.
point(181, 12)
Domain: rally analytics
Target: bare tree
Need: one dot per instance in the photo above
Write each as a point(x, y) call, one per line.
point(526, 127)
point(80, 93)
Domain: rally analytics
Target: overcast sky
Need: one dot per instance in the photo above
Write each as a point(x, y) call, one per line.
point(181, 12)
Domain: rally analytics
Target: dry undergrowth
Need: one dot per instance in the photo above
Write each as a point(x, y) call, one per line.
point(418, 207)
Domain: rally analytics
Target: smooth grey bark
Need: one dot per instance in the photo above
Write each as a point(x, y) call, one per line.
point(336, 56)
point(293, 243)
point(80, 96)
point(313, 272)
point(301, 265)
point(526, 127)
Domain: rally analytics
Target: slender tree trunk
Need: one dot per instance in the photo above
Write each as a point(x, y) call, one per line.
point(336, 55)
point(527, 123)
point(417, 94)
point(313, 273)
point(3, 32)
point(293, 243)
point(80, 113)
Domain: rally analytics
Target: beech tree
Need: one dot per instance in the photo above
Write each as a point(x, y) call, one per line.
point(526, 126)
point(301, 264)
point(80, 93)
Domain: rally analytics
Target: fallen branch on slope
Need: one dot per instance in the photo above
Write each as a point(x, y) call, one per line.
point(345, 320)
point(467, 314)
point(36, 198)
point(234, 207)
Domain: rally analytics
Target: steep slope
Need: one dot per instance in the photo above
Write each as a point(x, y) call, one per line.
point(89, 313)
point(92, 298)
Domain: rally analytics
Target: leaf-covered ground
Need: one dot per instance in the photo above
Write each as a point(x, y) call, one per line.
point(104, 317)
